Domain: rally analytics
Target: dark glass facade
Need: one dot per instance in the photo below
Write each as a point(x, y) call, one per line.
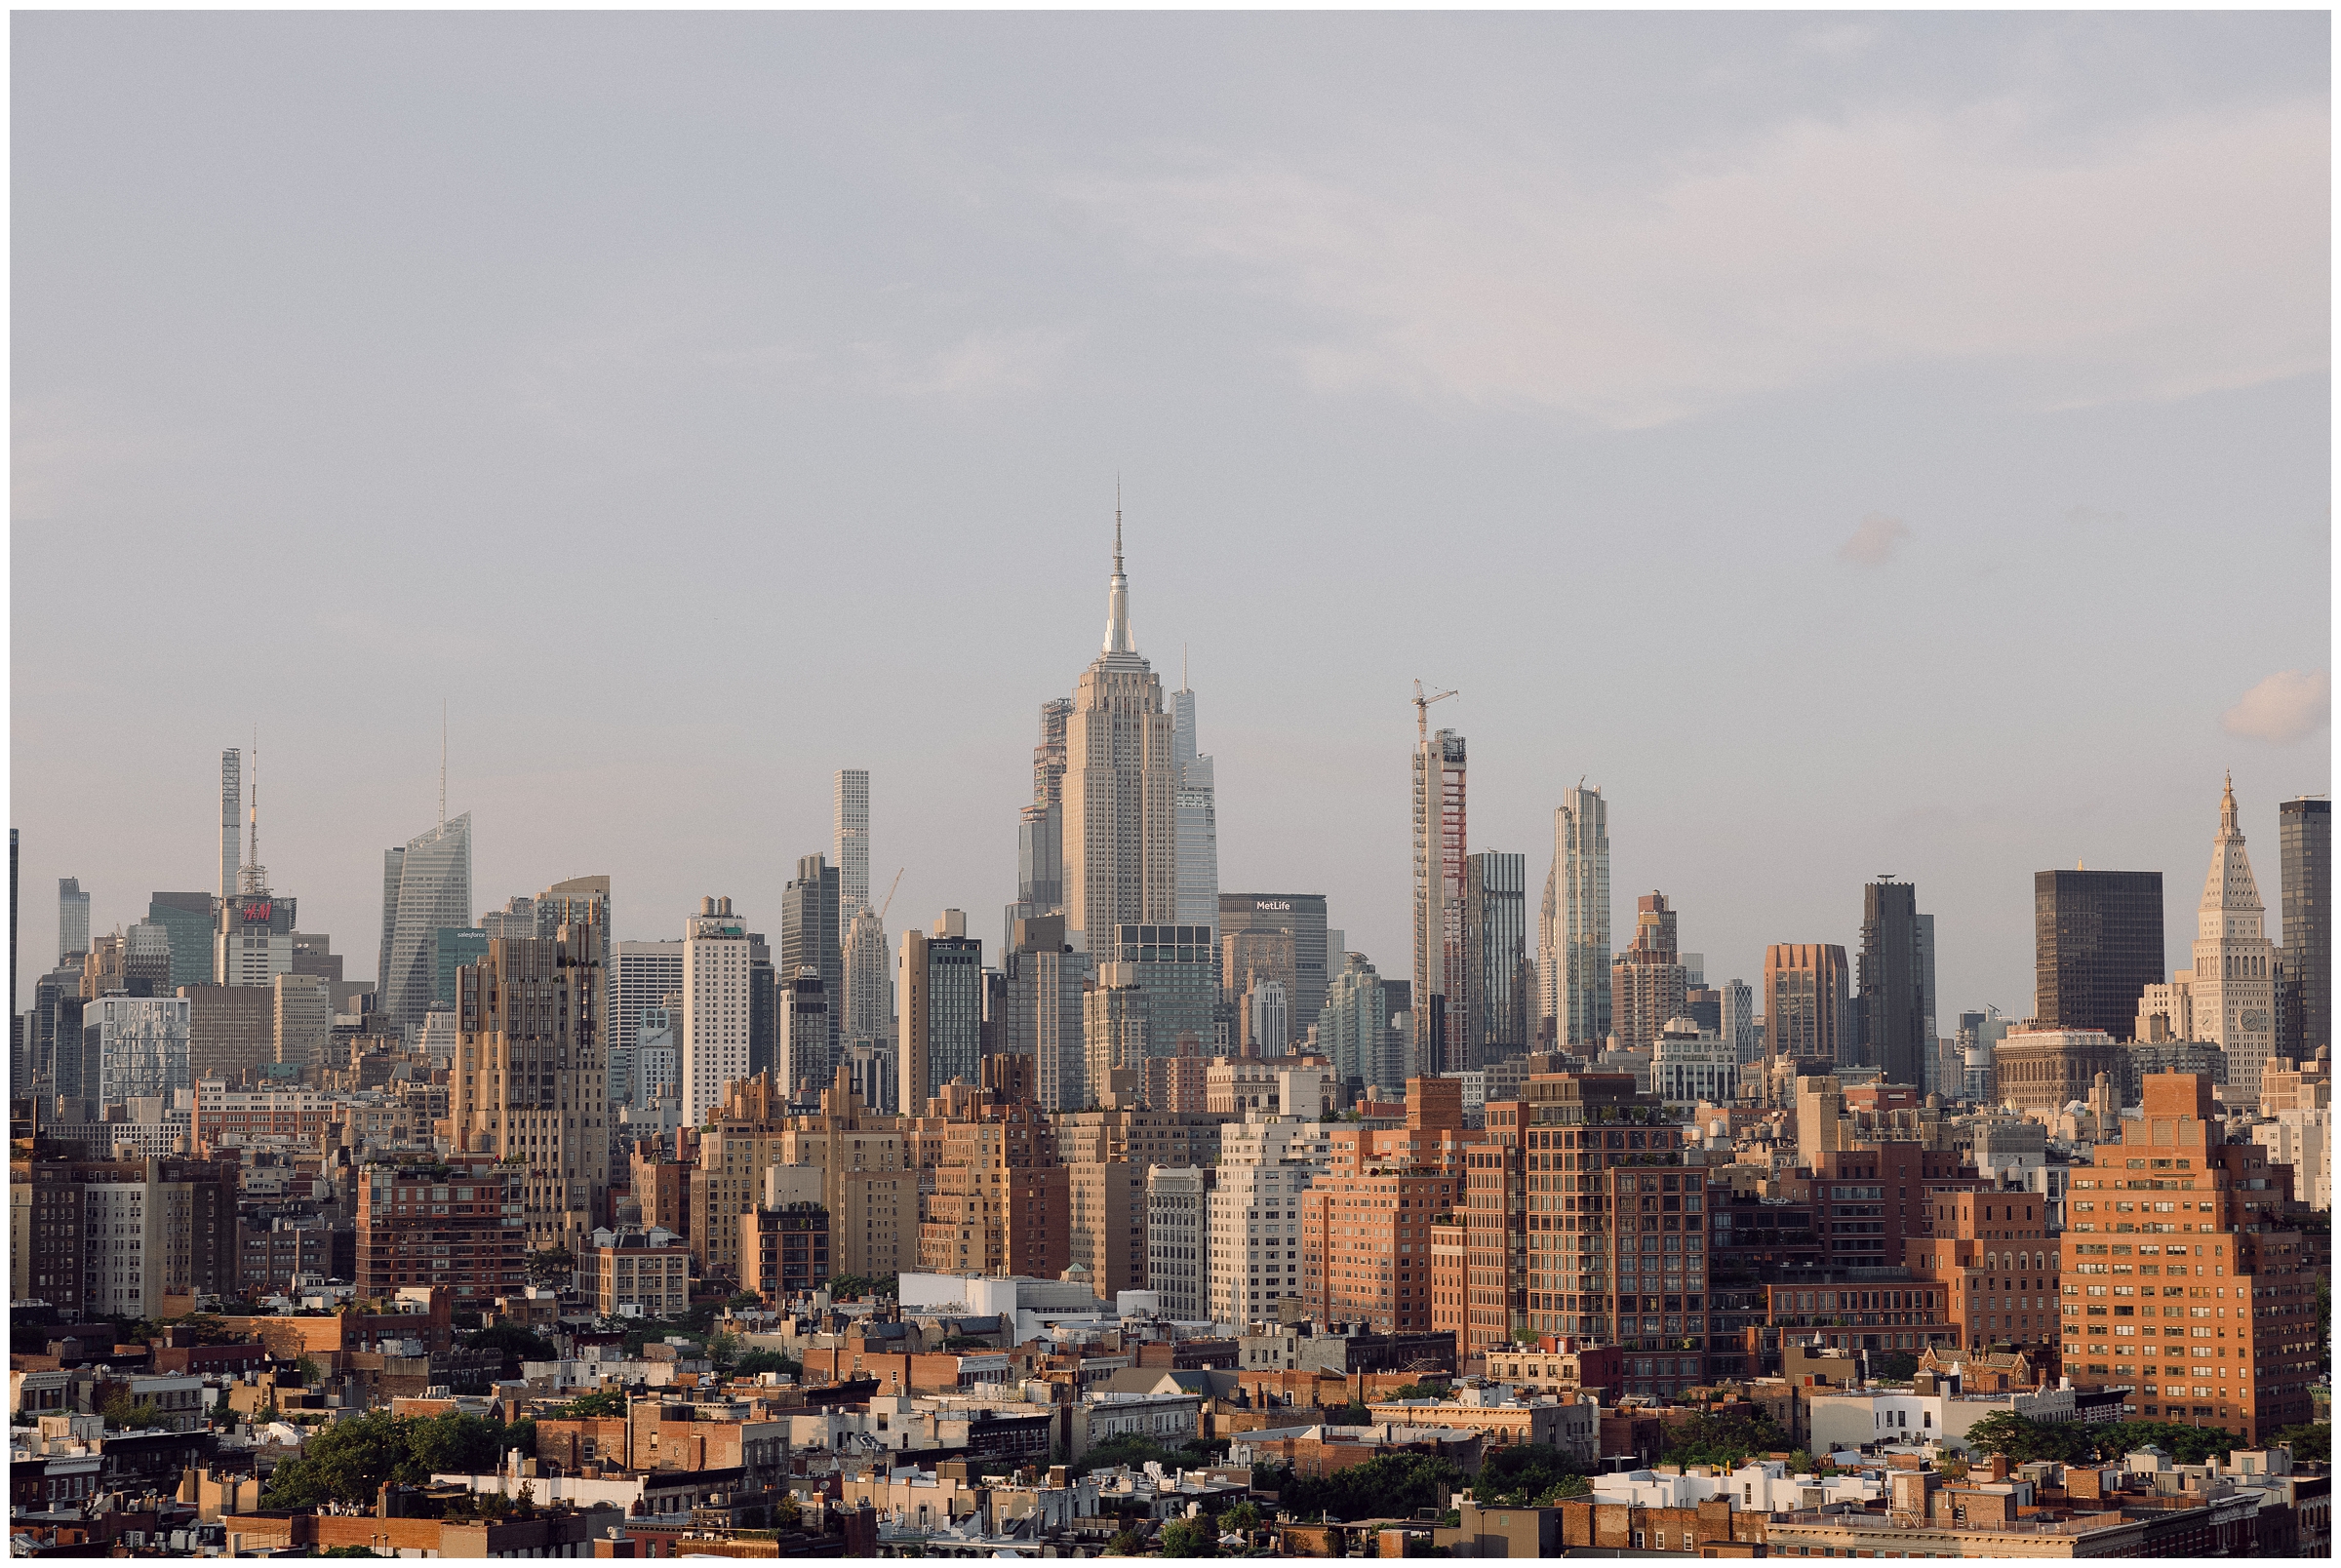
point(2097, 944)
point(2305, 837)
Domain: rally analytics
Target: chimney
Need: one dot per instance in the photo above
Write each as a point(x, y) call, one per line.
point(1998, 1467)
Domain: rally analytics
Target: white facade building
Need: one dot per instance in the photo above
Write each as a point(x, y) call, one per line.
point(141, 1045)
point(853, 844)
point(714, 1045)
point(1179, 1221)
point(1739, 1020)
point(138, 1244)
point(2232, 988)
point(1689, 1064)
point(1253, 1233)
point(2304, 1141)
point(643, 976)
point(426, 885)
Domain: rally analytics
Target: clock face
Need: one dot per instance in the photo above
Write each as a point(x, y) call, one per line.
point(2255, 1020)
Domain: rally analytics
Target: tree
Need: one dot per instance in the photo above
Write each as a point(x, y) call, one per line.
point(123, 1413)
point(1519, 1474)
point(1387, 1485)
point(755, 1362)
point(1896, 1366)
point(2024, 1440)
point(346, 1551)
point(601, 1403)
point(349, 1461)
point(744, 1301)
point(1724, 1437)
point(1420, 1390)
point(1189, 1538)
point(517, 1343)
point(309, 1370)
point(1127, 1541)
point(2189, 1445)
point(1244, 1517)
point(551, 1265)
point(2312, 1442)
point(1800, 1463)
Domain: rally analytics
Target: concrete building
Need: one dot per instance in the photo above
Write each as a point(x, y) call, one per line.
point(1121, 828)
point(811, 937)
point(940, 1036)
point(1738, 1027)
point(1353, 1029)
point(1113, 1030)
point(806, 1061)
point(715, 992)
point(1046, 980)
point(440, 1224)
point(634, 1274)
point(426, 885)
point(869, 999)
point(302, 1023)
point(1441, 888)
point(2097, 943)
point(528, 1085)
point(1498, 958)
point(1266, 1017)
point(1573, 948)
point(1198, 810)
point(645, 975)
point(142, 1045)
point(1253, 1233)
point(72, 921)
point(2232, 988)
point(2049, 1068)
point(850, 848)
point(1648, 981)
point(1178, 1214)
point(1804, 1001)
point(253, 943)
point(1690, 1065)
point(1894, 1004)
point(1178, 970)
point(1251, 932)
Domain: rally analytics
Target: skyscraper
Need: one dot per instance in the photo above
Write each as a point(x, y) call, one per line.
point(2097, 945)
point(1495, 940)
point(646, 974)
point(1579, 961)
point(1121, 831)
point(1198, 817)
point(189, 919)
point(1804, 1001)
point(1245, 920)
point(1738, 1029)
point(2305, 840)
point(72, 921)
point(715, 1006)
point(530, 1083)
point(2233, 983)
point(1441, 970)
point(1648, 981)
point(1894, 984)
point(231, 820)
point(941, 1030)
point(852, 845)
point(426, 885)
point(1046, 979)
point(810, 939)
point(1041, 827)
point(869, 999)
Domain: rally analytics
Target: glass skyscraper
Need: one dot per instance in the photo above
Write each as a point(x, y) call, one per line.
point(426, 885)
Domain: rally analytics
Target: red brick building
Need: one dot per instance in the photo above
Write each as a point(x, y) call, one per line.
point(457, 1225)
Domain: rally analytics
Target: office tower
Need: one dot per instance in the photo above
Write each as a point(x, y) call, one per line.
point(1738, 1029)
point(72, 921)
point(1266, 1018)
point(141, 1045)
point(303, 1024)
point(764, 1009)
point(853, 844)
point(648, 972)
point(1894, 984)
point(869, 999)
point(809, 934)
point(1198, 815)
point(1177, 968)
point(1441, 970)
point(426, 885)
point(188, 920)
point(1246, 919)
point(1353, 1029)
point(231, 822)
point(2305, 842)
point(1579, 960)
point(529, 1082)
point(516, 920)
point(657, 1067)
point(580, 900)
point(2264, 1383)
point(2233, 986)
point(1805, 1001)
point(1041, 827)
point(2097, 944)
point(1248, 953)
point(1046, 978)
point(1929, 1052)
point(1178, 1238)
point(1495, 944)
point(939, 1037)
point(145, 950)
point(1121, 836)
point(253, 943)
point(806, 1063)
point(231, 1031)
point(452, 948)
point(1648, 984)
point(715, 1006)
point(1113, 1031)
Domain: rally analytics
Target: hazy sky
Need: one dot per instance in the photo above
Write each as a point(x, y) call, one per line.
point(1858, 445)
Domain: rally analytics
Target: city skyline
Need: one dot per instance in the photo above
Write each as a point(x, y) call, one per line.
point(1762, 516)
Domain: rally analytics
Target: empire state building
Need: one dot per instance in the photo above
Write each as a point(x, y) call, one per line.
point(1121, 794)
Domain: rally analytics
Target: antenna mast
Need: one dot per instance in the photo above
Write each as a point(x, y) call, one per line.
point(443, 765)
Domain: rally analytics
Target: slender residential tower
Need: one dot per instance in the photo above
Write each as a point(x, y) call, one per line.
point(231, 813)
point(1121, 835)
point(1579, 931)
point(1442, 965)
point(853, 855)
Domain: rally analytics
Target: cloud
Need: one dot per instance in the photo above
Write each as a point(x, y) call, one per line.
point(2160, 258)
point(986, 363)
point(2287, 706)
point(1875, 541)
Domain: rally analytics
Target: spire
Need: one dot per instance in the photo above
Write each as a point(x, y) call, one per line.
point(1117, 598)
point(253, 875)
point(2227, 808)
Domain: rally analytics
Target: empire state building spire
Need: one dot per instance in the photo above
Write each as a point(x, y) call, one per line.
point(1117, 598)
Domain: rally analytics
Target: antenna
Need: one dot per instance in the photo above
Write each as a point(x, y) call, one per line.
point(443, 765)
point(1422, 712)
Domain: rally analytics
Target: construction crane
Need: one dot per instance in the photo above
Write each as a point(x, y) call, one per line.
point(1422, 712)
point(889, 895)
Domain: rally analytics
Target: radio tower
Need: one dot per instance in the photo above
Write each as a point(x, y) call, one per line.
point(254, 876)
